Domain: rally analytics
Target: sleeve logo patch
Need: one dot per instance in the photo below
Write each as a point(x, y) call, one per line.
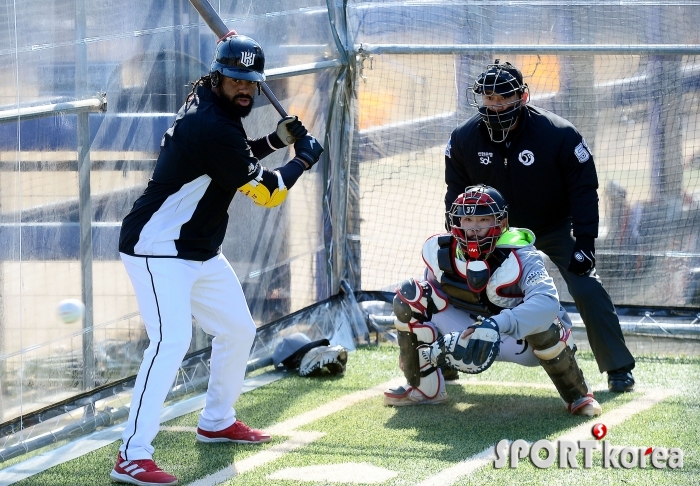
point(448, 150)
point(582, 153)
point(536, 276)
point(583, 141)
point(253, 168)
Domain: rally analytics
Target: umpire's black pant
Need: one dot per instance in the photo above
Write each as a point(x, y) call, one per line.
point(592, 301)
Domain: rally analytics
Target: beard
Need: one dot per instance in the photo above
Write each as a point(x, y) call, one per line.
point(238, 110)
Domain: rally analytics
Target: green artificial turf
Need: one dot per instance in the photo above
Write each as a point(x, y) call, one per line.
point(418, 442)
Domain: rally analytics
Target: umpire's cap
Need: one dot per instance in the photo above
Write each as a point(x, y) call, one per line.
point(289, 352)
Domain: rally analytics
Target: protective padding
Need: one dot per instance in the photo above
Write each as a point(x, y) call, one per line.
point(421, 297)
point(559, 362)
point(403, 311)
point(545, 339)
point(409, 338)
point(408, 354)
point(431, 379)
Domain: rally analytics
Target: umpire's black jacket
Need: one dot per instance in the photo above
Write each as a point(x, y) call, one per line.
point(544, 170)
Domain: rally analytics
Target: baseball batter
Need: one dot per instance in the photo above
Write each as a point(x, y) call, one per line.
point(170, 245)
point(486, 295)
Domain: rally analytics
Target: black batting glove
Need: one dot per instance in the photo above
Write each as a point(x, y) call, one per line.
point(290, 129)
point(583, 256)
point(309, 150)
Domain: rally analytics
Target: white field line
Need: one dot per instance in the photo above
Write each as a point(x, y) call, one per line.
point(296, 439)
point(450, 475)
point(299, 439)
point(101, 438)
point(464, 468)
point(515, 384)
point(288, 426)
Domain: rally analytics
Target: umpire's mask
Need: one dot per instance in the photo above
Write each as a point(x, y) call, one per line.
point(504, 80)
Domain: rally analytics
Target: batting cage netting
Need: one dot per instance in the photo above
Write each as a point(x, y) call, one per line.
point(89, 88)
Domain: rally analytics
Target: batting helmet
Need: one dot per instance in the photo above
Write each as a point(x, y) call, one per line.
point(500, 79)
point(478, 200)
point(239, 57)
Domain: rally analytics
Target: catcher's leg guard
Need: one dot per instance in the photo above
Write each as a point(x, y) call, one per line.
point(559, 361)
point(425, 382)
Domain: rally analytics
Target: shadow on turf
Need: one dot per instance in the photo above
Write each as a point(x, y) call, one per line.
point(476, 418)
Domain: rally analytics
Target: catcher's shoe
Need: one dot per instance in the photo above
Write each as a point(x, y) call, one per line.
point(238, 432)
point(408, 395)
point(586, 406)
point(143, 472)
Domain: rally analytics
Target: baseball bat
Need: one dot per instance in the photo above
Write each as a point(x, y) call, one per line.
point(212, 19)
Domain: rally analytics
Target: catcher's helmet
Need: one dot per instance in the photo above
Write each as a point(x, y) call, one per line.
point(239, 57)
point(478, 200)
point(504, 80)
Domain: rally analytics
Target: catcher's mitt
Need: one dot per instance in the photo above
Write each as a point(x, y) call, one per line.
point(332, 358)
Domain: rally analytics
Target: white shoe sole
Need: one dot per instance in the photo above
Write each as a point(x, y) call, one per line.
point(406, 401)
point(125, 478)
point(209, 440)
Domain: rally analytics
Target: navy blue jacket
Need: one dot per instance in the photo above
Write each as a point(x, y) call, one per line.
point(204, 157)
point(544, 170)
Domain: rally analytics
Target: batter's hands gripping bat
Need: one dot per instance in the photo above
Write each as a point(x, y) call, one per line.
point(217, 25)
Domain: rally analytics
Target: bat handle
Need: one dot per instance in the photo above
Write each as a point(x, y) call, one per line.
point(273, 100)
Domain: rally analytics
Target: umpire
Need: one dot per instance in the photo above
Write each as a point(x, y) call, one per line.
point(545, 170)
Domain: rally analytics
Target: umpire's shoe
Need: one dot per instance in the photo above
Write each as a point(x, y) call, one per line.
point(143, 472)
point(238, 432)
point(620, 381)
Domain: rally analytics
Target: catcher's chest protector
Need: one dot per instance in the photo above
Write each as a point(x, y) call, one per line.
point(502, 291)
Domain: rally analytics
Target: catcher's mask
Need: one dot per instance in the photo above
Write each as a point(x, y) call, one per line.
point(504, 80)
point(478, 200)
point(239, 57)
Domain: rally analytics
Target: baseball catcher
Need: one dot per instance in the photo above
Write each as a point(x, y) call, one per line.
point(485, 296)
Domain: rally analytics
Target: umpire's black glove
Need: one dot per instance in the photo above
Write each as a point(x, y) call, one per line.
point(583, 256)
point(308, 149)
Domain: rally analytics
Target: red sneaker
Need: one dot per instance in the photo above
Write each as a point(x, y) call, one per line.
point(143, 472)
point(238, 432)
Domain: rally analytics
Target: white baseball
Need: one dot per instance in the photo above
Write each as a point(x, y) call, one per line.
point(71, 310)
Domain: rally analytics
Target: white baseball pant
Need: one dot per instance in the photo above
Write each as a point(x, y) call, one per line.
point(169, 292)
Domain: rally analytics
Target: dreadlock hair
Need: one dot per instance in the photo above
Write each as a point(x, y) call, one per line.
point(203, 81)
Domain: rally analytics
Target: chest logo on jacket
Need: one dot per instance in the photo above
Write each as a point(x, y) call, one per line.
point(485, 157)
point(526, 157)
